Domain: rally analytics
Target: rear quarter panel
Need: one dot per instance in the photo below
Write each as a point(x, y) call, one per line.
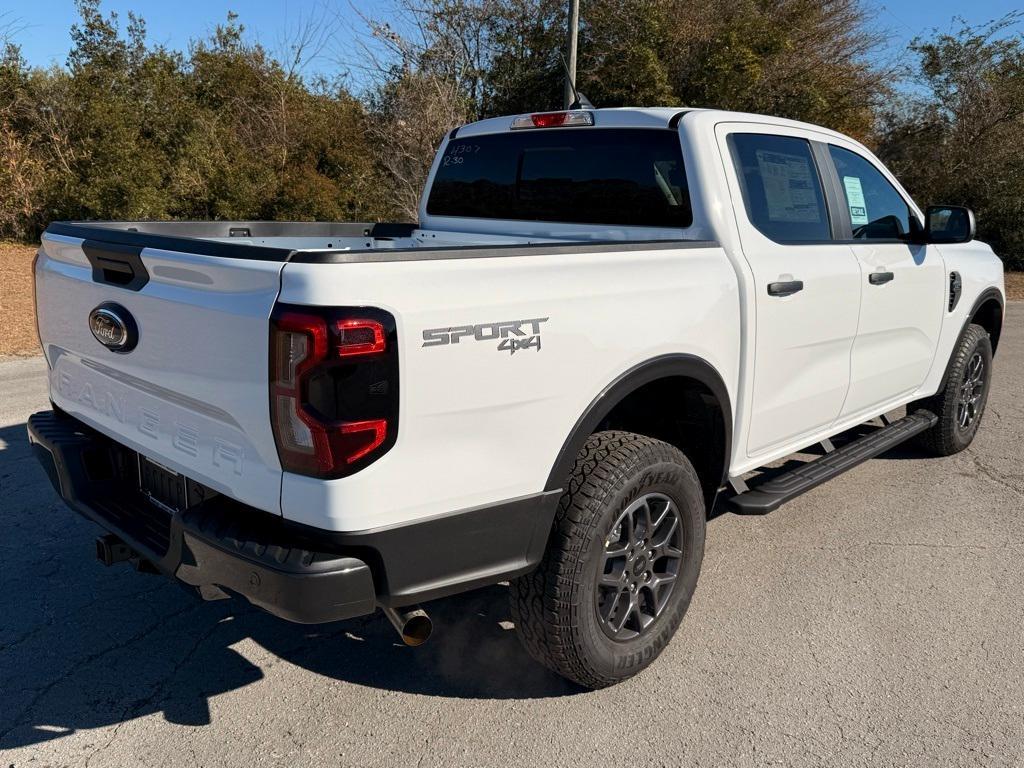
point(478, 424)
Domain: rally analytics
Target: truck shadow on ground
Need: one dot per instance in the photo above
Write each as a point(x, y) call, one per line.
point(83, 646)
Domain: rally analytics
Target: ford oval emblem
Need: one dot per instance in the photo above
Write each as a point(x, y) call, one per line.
point(113, 326)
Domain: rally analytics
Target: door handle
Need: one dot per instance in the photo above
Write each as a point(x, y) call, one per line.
point(880, 278)
point(787, 288)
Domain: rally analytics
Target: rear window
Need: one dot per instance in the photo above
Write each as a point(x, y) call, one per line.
point(781, 187)
point(573, 175)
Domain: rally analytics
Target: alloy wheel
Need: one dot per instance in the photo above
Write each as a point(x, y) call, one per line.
point(643, 554)
point(971, 389)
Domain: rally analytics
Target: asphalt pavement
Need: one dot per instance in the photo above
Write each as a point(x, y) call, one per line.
point(875, 621)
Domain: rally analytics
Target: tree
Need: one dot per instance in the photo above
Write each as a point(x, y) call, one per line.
point(22, 173)
point(959, 140)
point(810, 60)
point(129, 130)
point(804, 59)
point(426, 73)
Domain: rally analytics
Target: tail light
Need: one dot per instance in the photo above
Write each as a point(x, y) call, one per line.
point(333, 387)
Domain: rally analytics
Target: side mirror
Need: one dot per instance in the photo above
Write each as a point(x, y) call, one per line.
point(949, 224)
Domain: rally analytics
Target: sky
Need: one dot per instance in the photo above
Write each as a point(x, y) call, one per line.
point(42, 26)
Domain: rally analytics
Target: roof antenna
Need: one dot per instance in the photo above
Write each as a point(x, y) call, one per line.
point(579, 101)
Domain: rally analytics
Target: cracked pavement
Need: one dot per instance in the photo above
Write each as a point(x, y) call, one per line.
point(875, 621)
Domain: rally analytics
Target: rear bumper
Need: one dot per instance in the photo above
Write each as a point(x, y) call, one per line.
point(214, 546)
point(296, 572)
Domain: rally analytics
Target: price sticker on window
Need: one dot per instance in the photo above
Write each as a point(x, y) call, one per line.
point(855, 201)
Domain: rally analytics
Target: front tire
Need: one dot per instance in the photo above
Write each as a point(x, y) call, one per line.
point(960, 404)
point(621, 565)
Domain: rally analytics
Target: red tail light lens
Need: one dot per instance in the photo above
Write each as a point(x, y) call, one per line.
point(363, 437)
point(549, 120)
point(360, 337)
point(571, 119)
point(333, 388)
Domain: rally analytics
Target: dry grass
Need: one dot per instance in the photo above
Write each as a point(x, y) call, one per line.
point(17, 304)
point(1015, 286)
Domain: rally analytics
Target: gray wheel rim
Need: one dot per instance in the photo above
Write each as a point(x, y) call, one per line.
point(642, 558)
point(971, 390)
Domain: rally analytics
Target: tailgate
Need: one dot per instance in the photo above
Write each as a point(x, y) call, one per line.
point(192, 393)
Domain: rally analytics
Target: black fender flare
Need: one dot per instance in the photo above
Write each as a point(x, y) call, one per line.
point(987, 295)
point(664, 366)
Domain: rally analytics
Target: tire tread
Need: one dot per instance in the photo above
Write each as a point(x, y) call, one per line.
point(942, 439)
point(545, 617)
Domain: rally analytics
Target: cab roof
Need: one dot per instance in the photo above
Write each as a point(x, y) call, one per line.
point(643, 117)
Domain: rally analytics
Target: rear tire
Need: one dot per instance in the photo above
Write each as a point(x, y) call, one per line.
point(621, 564)
point(960, 404)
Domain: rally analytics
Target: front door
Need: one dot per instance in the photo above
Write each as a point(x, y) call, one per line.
point(903, 288)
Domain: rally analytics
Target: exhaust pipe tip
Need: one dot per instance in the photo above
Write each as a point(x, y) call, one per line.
point(412, 624)
point(110, 550)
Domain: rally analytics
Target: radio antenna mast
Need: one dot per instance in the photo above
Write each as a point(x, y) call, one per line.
point(571, 96)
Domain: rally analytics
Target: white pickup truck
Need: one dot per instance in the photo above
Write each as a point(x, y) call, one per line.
point(604, 321)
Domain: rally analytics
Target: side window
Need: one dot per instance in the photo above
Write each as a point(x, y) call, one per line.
point(781, 187)
point(877, 210)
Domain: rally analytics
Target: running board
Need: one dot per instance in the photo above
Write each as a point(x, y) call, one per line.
point(770, 495)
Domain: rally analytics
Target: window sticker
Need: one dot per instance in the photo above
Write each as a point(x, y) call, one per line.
point(788, 187)
point(855, 200)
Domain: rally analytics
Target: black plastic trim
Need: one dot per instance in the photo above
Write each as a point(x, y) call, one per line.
point(493, 251)
point(386, 229)
point(116, 264)
point(881, 278)
point(115, 234)
point(688, 366)
point(838, 212)
point(295, 571)
point(448, 553)
point(987, 295)
point(879, 241)
point(673, 122)
point(785, 288)
point(181, 243)
point(217, 545)
point(770, 495)
point(956, 289)
point(192, 236)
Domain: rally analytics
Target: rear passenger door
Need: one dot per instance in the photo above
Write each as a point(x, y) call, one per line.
point(903, 286)
point(807, 287)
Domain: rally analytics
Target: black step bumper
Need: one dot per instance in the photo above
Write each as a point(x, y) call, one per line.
point(215, 546)
point(297, 572)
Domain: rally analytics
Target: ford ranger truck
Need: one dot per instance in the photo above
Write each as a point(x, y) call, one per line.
point(604, 322)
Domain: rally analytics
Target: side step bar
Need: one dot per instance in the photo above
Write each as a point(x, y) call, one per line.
point(770, 495)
